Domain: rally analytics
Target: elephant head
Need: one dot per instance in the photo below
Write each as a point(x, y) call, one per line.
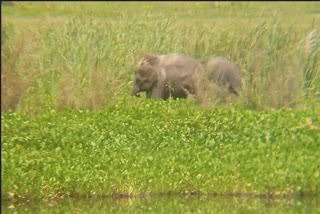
point(145, 79)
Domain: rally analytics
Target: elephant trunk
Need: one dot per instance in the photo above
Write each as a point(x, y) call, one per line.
point(135, 90)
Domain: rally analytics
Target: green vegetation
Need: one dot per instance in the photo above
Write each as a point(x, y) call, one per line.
point(160, 147)
point(70, 128)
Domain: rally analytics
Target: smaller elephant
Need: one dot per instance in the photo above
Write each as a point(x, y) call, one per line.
point(162, 82)
point(223, 71)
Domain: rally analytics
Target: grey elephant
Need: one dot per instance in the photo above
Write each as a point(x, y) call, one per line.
point(162, 76)
point(162, 82)
point(223, 72)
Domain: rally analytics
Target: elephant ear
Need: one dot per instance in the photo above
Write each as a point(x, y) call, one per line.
point(153, 73)
point(142, 71)
point(148, 72)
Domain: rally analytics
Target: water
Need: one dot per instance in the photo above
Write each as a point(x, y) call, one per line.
point(166, 204)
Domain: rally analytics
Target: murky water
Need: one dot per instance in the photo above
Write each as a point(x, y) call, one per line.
point(165, 204)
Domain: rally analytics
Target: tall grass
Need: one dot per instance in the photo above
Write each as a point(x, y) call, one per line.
point(87, 62)
point(309, 58)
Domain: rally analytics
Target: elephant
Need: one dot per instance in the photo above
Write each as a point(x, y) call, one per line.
point(163, 82)
point(161, 75)
point(223, 72)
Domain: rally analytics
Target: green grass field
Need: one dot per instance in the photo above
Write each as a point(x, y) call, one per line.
point(70, 128)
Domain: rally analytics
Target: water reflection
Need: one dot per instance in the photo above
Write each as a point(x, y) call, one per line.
point(173, 204)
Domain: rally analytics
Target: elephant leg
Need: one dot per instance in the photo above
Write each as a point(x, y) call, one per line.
point(157, 92)
point(233, 90)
